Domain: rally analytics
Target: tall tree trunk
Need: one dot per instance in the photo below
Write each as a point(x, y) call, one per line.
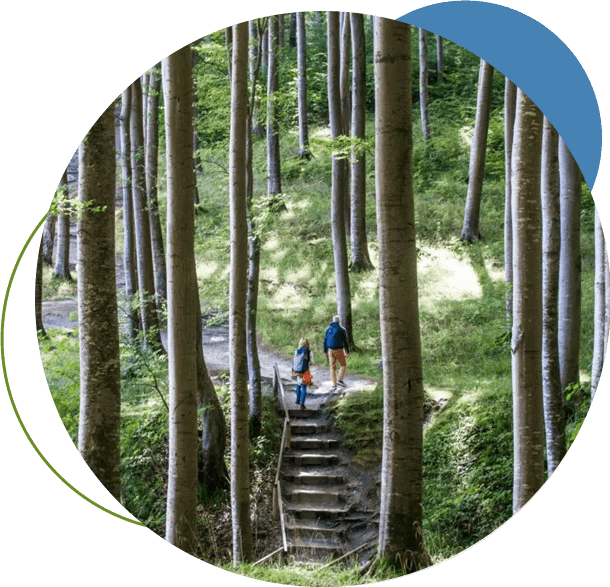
point(302, 86)
point(213, 474)
point(100, 372)
point(182, 300)
point(360, 260)
point(146, 286)
point(551, 385)
point(281, 28)
point(129, 252)
point(344, 91)
point(423, 84)
point(400, 537)
point(439, 57)
point(62, 256)
point(344, 303)
point(476, 171)
point(152, 166)
point(38, 294)
point(528, 427)
point(274, 176)
point(569, 267)
point(256, 54)
point(48, 239)
point(607, 299)
point(510, 96)
point(292, 40)
point(600, 305)
point(240, 464)
point(254, 255)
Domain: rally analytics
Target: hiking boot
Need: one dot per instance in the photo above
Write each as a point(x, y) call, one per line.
point(333, 389)
point(341, 384)
point(302, 406)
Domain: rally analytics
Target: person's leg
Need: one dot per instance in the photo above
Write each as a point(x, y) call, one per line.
point(298, 390)
point(333, 367)
point(342, 363)
point(303, 394)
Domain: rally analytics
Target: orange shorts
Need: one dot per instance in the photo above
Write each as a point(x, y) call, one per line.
point(336, 355)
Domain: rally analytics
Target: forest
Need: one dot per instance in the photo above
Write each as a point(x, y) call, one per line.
point(250, 187)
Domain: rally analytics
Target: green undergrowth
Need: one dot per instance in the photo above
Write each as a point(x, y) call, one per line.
point(57, 288)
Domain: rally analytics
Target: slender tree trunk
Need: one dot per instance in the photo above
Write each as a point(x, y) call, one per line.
point(213, 474)
point(344, 304)
point(528, 424)
point(38, 294)
point(62, 256)
point(510, 96)
point(607, 298)
point(569, 268)
point(344, 91)
point(129, 258)
point(100, 373)
point(146, 287)
point(281, 28)
point(256, 40)
point(400, 537)
point(423, 84)
point(293, 30)
point(439, 57)
point(240, 467)
point(274, 178)
point(182, 306)
point(360, 260)
point(254, 255)
point(302, 86)
point(152, 165)
point(48, 239)
point(476, 171)
point(600, 305)
point(551, 385)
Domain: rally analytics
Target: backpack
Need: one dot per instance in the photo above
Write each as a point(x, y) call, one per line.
point(300, 361)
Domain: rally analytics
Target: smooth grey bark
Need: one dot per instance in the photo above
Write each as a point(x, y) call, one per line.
point(129, 245)
point(254, 255)
point(439, 57)
point(344, 91)
point(400, 537)
point(359, 254)
point(274, 176)
point(510, 104)
point(599, 318)
point(182, 306)
point(281, 28)
point(338, 191)
point(146, 286)
point(528, 426)
point(144, 87)
point(569, 268)
point(38, 293)
point(61, 268)
point(292, 39)
point(476, 171)
point(423, 84)
point(48, 239)
point(607, 297)
point(100, 373)
point(256, 40)
point(302, 86)
point(554, 421)
point(240, 463)
point(151, 169)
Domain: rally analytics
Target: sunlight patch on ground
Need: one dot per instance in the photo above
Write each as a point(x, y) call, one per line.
point(300, 275)
point(443, 276)
point(270, 274)
point(287, 298)
point(207, 269)
point(271, 244)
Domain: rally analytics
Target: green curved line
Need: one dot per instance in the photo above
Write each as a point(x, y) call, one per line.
point(10, 283)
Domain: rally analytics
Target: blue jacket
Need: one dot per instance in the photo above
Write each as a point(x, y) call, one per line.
point(336, 337)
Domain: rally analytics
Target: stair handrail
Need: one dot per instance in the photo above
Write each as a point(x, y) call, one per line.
point(278, 506)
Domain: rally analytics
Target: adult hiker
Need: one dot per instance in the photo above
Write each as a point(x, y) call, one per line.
point(336, 349)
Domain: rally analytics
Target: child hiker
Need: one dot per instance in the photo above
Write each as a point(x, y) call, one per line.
point(300, 368)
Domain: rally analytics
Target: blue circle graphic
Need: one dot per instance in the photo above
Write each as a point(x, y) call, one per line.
point(532, 57)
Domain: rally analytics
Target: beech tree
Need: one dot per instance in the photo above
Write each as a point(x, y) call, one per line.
point(400, 517)
point(510, 96)
point(48, 239)
point(240, 464)
point(182, 298)
point(471, 231)
point(344, 92)
point(360, 259)
point(599, 320)
point(302, 86)
point(554, 421)
point(439, 56)
point(62, 255)
point(569, 268)
point(337, 213)
point(423, 84)
point(528, 427)
point(274, 175)
point(38, 293)
point(146, 286)
point(100, 373)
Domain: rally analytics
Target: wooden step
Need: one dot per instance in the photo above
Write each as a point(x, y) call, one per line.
point(306, 443)
point(310, 529)
point(313, 478)
point(298, 414)
point(314, 512)
point(317, 496)
point(311, 458)
point(318, 548)
point(309, 428)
